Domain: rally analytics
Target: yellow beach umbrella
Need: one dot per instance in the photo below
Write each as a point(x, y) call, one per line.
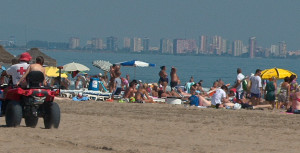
point(277, 73)
point(53, 72)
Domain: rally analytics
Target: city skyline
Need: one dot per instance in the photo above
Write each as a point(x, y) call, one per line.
point(268, 20)
point(207, 45)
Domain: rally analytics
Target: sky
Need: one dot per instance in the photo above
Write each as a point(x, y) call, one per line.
point(270, 21)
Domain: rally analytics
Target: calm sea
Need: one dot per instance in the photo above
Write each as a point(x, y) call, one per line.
point(206, 68)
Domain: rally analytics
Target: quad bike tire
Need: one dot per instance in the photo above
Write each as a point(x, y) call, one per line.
point(13, 115)
point(52, 116)
point(31, 121)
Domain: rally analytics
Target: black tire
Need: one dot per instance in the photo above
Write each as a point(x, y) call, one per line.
point(13, 115)
point(31, 121)
point(52, 116)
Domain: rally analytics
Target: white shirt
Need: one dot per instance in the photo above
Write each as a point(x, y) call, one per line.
point(17, 71)
point(240, 77)
point(255, 84)
point(218, 96)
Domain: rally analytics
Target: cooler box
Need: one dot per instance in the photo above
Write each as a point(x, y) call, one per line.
point(94, 84)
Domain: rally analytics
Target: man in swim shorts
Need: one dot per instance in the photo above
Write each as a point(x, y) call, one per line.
point(174, 78)
point(256, 88)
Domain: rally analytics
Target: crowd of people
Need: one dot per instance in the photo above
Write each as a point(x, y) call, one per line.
point(247, 92)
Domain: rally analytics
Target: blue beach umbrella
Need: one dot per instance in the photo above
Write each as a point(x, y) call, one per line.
point(135, 63)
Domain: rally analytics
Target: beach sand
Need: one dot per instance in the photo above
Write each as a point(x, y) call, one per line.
point(154, 128)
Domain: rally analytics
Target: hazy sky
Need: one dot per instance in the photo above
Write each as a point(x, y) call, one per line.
point(270, 21)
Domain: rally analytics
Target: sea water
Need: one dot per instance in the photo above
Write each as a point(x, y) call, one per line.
point(206, 68)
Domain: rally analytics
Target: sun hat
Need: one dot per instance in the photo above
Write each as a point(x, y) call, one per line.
point(25, 57)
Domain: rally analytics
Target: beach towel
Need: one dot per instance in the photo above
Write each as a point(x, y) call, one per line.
point(80, 99)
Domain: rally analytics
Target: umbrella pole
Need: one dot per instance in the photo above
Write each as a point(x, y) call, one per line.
point(134, 72)
point(59, 79)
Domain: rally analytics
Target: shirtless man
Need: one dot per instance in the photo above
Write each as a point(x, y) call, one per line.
point(129, 92)
point(38, 66)
point(163, 77)
point(174, 78)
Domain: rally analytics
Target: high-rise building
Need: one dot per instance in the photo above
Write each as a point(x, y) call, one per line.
point(126, 44)
point(282, 49)
point(217, 45)
point(136, 44)
point(74, 42)
point(229, 47)
point(224, 46)
point(252, 46)
point(112, 43)
point(274, 50)
point(146, 44)
point(166, 46)
point(237, 48)
point(184, 46)
point(204, 45)
point(97, 43)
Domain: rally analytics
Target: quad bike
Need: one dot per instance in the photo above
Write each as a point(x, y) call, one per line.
point(30, 103)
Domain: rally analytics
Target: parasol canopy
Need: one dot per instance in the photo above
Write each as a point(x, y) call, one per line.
point(74, 67)
point(103, 65)
point(53, 72)
point(277, 73)
point(136, 63)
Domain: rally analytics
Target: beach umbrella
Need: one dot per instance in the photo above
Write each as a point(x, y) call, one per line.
point(277, 73)
point(103, 65)
point(54, 72)
point(74, 67)
point(135, 63)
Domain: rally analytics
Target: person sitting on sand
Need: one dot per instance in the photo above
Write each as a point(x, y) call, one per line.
point(296, 102)
point(220, 98)
point(173, 93)
point(189, 84)
point(38, 66)
point(142, 95)
point(154, 91)
point(194, 99)
point(130, 92)
point(215, 86)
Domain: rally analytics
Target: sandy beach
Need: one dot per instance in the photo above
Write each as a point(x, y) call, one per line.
point(153, 128)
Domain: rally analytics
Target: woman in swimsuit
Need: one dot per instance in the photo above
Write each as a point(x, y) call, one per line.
point(270, 91)
point(163, 78)
point(283, 96)
point(293, 88)
point(142, 95)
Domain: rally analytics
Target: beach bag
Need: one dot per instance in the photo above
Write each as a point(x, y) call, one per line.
point(237, 106)
point(245, 85)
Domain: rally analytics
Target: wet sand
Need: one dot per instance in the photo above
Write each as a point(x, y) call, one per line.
point(153, 128)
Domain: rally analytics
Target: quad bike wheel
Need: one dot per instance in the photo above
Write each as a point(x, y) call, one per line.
point(13, 115)
point(31, 121)
point(52, 115)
